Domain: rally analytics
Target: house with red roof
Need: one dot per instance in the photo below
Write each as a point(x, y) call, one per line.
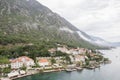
point(22, 61)
point(43, 62)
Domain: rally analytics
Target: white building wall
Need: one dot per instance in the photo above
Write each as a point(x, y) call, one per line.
point(43, 64)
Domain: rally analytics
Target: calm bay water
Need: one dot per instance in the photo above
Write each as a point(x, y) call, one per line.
point(105, 72)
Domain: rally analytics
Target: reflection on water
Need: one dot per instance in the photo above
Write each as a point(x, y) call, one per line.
point(105, 72)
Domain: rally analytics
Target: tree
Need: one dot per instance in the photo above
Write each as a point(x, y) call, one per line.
point(68, 60)
point(106, 59)
point(6, 70)
point(53, 61)
point(23, 67)
point(87, 61)
point(4, 60)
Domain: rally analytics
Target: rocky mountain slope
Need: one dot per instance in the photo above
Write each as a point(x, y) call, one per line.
point(30, 21)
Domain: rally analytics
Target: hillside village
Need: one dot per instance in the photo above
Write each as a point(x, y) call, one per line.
point(71, 59)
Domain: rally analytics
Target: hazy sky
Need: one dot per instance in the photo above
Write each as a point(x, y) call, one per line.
point(96, 17)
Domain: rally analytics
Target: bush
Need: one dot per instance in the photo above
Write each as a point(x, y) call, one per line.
point(53, 61)
point(106, 59)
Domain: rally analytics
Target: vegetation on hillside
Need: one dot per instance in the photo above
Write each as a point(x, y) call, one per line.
point(31, 29)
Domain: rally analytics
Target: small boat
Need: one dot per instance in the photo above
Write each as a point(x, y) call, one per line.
point(90, 67)
point(69, 70)
point(97, 66)
point(79, 68)
point(107, 62)
point(74, 69)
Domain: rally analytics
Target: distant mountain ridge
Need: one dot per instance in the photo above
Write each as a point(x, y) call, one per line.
point(98, 41)
point(94, 40)
point(33, 22)
point(115, 44)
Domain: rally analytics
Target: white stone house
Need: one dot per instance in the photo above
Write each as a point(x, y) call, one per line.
point(22, 61)
point(79, 58)
point(72, 58)
point(43, 62)
point(4, 65)
point(62, 49)
point(82, 50)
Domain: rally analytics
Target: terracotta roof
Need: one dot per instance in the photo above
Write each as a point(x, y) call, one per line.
point(21, 59)
point(43, 60)
point(25, 58)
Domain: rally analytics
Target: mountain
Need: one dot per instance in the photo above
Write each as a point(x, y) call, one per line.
point(97, 41)
point(115, 44)
point(28, 21)
point(94, 40)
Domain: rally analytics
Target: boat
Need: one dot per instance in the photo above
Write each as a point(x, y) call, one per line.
point(107, 62)
point(97, 66)
point(74, 69)
point(79, 68)
point(90, 67)
point(69, 70)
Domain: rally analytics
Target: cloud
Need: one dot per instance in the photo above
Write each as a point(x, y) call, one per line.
point(96, 17)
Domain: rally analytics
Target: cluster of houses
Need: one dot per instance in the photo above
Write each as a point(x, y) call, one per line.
point(72, 51)
point(27, 62)
point(76, 55)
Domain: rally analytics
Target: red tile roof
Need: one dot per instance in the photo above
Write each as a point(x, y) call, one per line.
point(21, 59)
point(43, 60)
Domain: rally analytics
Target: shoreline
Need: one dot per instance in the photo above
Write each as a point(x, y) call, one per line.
point(36, 72)
point(29, 73)
point(92, 65)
